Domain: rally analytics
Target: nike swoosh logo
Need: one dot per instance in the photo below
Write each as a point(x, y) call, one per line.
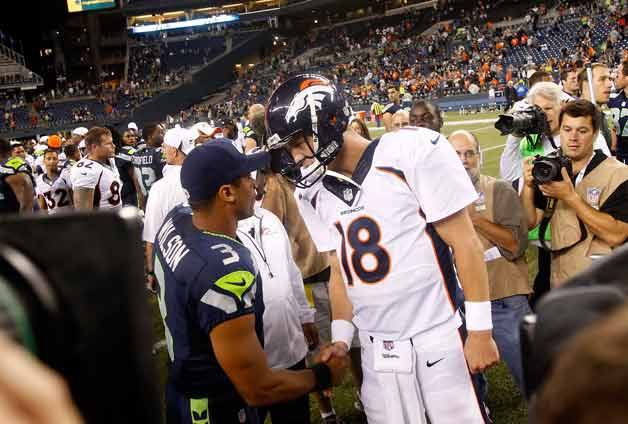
point(233, 283)
point(435, 140)
point(431, 364)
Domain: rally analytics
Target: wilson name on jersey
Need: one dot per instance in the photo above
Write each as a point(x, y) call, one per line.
point(203, 280)
point(398, 272)
point(103, 178)
point(58, 193)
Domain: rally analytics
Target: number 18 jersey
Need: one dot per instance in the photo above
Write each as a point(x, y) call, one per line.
point(398, 272)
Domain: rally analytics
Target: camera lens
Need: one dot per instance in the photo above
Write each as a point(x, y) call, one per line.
point(544, 171)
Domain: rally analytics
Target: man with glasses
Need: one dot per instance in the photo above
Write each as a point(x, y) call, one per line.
point(500, 223)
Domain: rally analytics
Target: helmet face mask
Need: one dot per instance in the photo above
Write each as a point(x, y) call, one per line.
point(306, 106)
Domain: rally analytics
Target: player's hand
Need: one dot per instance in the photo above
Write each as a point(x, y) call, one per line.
point(527, 172)
point(31, 392)
point(480, 351)
point(311, 335)
point(337, 349)
point(338, 365)
point(151, 283)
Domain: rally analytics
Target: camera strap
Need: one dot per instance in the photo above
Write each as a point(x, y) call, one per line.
point(547, 216)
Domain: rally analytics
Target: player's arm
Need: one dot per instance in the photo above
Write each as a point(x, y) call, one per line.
point(42, 203)
point(22, 186)
point(457, 231)
point(241, 356)
point(83, 198)
point(140, 196)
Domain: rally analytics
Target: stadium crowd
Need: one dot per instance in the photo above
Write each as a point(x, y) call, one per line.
point(258, 194)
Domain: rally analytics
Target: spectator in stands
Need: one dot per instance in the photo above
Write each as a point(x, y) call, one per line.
point(400, 119)
point(500, 222)
point(426, 114)
point(590, 217)
point(391, 108)
point(360, 127)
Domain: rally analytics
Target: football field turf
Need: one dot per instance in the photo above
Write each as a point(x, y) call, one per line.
point(504, 400)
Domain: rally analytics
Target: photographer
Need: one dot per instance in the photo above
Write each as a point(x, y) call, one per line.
point(590, 205)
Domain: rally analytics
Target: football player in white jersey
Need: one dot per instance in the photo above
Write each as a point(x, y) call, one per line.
point(392, 211)
point(95, 179)
point(54, 191)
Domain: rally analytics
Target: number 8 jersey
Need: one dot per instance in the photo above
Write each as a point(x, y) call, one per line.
point(101, 177)
point(398, 273)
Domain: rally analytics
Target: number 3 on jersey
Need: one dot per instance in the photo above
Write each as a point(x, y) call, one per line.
point(370, 261)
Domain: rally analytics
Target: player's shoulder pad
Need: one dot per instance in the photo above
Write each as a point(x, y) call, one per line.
point(17, 164)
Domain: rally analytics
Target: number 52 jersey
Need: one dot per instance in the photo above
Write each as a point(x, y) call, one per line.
point(398, 272)
point(102, 177)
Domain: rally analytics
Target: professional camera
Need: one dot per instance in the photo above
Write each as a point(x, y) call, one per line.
point(531, 120)
point(546, 169)
point(71, 293)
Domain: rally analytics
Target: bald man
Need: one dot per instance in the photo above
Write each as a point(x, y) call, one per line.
point(255, 130)
point(500, 223)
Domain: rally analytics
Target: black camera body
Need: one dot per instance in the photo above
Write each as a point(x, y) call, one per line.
point(531, 120)
point(72, 292)
point(546, 169)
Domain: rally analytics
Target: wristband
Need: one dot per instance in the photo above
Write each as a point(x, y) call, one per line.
point(342, 331)
point(478, 316)
point(322, 375)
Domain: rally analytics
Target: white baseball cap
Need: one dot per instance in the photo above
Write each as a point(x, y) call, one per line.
point(40, 148)
point(132, 126)
point(180, 138)
point(203, 128)
point(80, 131)
point(43, 139)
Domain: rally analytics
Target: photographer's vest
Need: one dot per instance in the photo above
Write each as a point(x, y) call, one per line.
point(594, 189)
point(505, 278)
point(532, 145)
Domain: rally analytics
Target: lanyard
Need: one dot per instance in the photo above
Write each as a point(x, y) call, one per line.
point(583, 171)
point(254, 242)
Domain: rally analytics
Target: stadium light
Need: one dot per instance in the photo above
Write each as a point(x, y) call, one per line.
point(185, 24)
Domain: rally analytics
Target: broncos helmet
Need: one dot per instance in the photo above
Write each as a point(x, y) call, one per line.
point(308, 105)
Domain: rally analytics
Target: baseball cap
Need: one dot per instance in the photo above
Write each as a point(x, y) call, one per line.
point(132, 126)
point(203, 128)
point(180, 138)
point(54, 142)
point(215, 164)
point(79, 131)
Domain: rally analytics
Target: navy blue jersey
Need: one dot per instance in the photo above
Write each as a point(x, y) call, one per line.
point(12, 166)
point(124, 162)
point(149, 164)
point(204, 280)
point(619, 109)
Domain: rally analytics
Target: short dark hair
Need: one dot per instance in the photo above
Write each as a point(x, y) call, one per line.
point(149, 130)
point(583, 77)
point(580, 108)
point(55, 151)
point(564, 74)
point(624, 67)
point(197, 205)
point(70, 150)
point(94, 136)
point(539, 76)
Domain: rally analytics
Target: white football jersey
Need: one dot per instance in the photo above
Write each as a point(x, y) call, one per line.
point(398, 272)
point(57, 194)
point(103, 178)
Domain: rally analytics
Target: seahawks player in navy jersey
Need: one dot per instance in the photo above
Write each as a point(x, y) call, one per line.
point(149, 161)
point(16, 182)
point(618, 104)
point(210, 299)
